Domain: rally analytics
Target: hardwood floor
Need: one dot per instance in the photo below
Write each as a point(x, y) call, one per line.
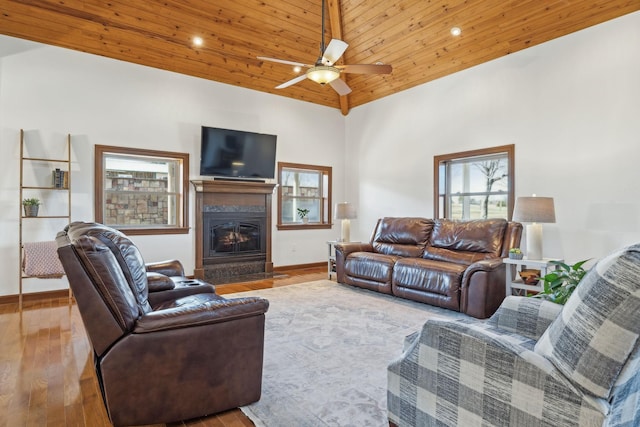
point(46, 372)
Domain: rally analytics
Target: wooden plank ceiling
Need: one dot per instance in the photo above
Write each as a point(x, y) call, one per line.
point(411, 35)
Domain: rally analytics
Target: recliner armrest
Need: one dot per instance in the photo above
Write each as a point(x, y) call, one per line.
point(483, 287)
point(158, 282)
point(342, 252)
point(346, 248)
point(200, 312)
point(526, 316)
point(171, 267)
point(486, 265)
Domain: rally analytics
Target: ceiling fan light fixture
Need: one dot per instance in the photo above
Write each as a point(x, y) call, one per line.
point(323, 74)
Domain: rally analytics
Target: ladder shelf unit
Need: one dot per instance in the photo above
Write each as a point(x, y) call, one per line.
point(60, 182)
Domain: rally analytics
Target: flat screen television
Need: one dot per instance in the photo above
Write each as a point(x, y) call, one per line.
point(237, 154)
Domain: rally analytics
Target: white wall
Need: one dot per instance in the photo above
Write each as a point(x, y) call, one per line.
point(50, 92)
point(571, 107)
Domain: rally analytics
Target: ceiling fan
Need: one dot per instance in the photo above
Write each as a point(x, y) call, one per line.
point(324, 71)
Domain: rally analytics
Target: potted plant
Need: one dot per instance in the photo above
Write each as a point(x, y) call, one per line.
point(302, 213)
point(515, 253)
point(560, 283)
point(31, 206)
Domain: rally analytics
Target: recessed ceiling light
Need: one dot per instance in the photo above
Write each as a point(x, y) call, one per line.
point(456, 31)
point(197, 41)
point(297, 69)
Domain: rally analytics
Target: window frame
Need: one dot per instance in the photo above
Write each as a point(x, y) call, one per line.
point(509, 150)
point(182, 158)
point(325, 171)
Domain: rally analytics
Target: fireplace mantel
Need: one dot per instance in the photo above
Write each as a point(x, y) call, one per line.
point(231, 186)
point(231, 195)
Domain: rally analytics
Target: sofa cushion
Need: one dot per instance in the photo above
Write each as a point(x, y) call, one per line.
point(598, 328)
point(465, 242)
point(370, 266)
point(405, 237)
point(437, 277)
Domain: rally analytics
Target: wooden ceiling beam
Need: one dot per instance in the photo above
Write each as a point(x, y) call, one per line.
point(336, 32)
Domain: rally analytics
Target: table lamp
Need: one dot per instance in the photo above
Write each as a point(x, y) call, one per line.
point(346, 212)
point(536, 210)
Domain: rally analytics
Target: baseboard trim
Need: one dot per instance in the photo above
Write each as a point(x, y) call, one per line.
point(34, 296)
point(285, 268)
point(63, 293)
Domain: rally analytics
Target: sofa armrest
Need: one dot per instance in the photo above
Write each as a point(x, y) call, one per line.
point(213, 311)
point(471, 359)
point(483, 288)
point(529, 317)
point(158, 282)
point(171, 267)
point(160, 298)
point(485, 265)
point(348, 247)
point(342, 252)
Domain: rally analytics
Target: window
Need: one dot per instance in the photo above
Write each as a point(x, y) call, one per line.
point(142, 191)
point(475, 184)
point(304, 187)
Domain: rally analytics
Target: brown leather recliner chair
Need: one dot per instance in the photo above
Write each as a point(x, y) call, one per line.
point(177, 353)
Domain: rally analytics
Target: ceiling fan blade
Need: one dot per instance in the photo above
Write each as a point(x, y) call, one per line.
point(292, 82)
point(366, 68)
point(334, 51)
point(284, 61)
point(340, 86)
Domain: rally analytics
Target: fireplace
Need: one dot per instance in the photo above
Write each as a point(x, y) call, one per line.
point(233, 229)
point(237, 235)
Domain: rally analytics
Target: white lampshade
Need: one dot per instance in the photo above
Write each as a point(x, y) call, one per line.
point(345, 212)
point(535, 210)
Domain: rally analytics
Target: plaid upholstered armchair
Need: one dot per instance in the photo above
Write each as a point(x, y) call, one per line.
point(533, 363)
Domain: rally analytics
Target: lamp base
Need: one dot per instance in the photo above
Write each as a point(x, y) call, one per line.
point(534, 241)
point(345, 231)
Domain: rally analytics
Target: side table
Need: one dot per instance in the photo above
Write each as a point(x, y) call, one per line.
point(331, 261)
point(515, 266)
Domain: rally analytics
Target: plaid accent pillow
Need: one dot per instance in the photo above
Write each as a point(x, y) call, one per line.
point(597, 330)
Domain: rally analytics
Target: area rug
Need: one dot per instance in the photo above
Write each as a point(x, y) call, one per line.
point(327, 347)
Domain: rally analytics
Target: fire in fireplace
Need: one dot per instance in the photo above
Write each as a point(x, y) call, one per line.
point(234, 237)
point(240, 236)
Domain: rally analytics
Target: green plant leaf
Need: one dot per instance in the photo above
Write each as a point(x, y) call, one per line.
point(559, 284)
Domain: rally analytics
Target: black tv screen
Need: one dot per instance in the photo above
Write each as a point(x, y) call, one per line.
point(237, 154)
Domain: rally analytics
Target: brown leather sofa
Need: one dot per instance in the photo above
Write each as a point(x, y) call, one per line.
point(451, 264)
point(175, 353)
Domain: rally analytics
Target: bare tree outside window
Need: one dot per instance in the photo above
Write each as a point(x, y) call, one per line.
point(474, 184)
point(491, 170)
